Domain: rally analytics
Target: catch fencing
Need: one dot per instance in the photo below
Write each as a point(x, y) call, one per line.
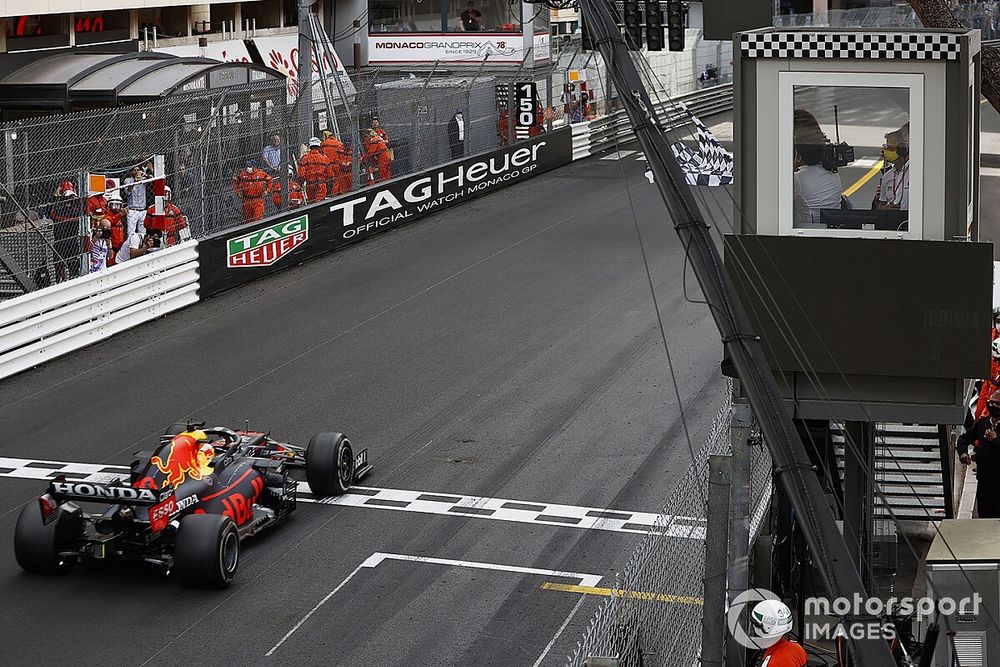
point(654, 615)
point(207, 137)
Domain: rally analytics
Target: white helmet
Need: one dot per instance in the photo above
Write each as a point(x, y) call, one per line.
point(115, 202)
point(996, 348)
point(314, 142)
point(167, 193)
point(770, 620)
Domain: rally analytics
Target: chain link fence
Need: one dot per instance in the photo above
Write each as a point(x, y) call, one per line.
point(654, 615)
point(207, 138)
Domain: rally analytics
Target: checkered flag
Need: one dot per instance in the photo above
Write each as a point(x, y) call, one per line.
point(711, 165)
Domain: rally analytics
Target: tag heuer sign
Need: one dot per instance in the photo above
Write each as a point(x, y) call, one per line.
point(266, 246)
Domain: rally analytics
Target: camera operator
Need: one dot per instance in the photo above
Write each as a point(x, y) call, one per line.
point(816, 183)
point(139, 245)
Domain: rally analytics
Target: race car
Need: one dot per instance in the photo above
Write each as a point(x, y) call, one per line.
point(187, 505)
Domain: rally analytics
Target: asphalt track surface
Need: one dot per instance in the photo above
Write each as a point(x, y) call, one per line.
point(507, 349)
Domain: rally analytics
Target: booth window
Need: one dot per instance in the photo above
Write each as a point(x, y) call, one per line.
point(444, 16)
point(850, 154)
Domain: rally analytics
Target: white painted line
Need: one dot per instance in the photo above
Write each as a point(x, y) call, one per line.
point(313, 610)
point(585, 579)
point(865, 162)
point(552, 642)
point(378, 557)
point(617, 155)
point(968, 500)
point(989, 171)
point(421, 502)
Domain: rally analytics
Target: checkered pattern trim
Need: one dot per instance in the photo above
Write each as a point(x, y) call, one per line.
point(712, 165)
point(864, 46)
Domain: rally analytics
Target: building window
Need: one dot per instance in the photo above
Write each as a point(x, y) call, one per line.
point(93, 28)
point(444, 16)
point(266, 13)
point(845, 170)
point(37, 32)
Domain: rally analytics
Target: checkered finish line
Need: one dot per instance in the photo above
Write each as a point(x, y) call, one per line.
point(861, 46)
point(444, 504)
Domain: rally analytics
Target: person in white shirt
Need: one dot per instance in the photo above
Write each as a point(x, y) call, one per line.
point(814, 187)
point(139, 245)
point(893, 192)
point(100, 244)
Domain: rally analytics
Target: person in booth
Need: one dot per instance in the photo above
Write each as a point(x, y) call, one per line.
point(471, 18)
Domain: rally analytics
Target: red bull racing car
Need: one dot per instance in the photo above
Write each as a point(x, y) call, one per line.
point(187, 505)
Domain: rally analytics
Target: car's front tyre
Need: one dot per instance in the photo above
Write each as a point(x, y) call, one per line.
point(329, 464)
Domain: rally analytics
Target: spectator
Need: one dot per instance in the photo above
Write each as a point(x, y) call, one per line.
point(271, 154)
point(116, 217)
point(139, 245)
point(251, 184)
point(135, 197)
point(471, 18)
point(65, 211)
point(980, 444)
point(709, 76)
point(815, 187)
point(314, 171)
point(893, 191)
point(99, 243)
point(456, 135)
point(98, 200)
point(171, 223)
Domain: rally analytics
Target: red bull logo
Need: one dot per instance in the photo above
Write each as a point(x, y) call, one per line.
point(185, 458)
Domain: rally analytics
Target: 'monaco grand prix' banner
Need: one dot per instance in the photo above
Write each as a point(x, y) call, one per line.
point(239, 255)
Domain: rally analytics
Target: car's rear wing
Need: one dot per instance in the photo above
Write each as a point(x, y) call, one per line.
point(104, 493)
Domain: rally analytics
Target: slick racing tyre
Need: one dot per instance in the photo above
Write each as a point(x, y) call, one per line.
point(207, 551)
point(37, 545)
point(329, 464)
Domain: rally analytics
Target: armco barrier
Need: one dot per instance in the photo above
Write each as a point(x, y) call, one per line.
point(243, 254)
point(603, 133)
point(43, 325)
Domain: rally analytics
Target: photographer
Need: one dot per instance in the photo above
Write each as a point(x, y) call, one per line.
point(139, 245)
point(816, 183)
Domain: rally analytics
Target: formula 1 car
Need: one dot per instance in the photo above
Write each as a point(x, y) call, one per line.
point(187, 505)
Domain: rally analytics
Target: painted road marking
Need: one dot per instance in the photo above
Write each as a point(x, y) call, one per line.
point(874, 169)
point(617, 155)
point(421, 502)
point(608, 592)
point(377, 558)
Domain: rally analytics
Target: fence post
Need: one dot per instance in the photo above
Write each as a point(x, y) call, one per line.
point(739, 512)
point(305, 69)
point(716, 548)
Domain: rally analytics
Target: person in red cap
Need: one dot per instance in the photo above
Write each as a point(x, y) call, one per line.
point(116, 216)
point(980, 444)
point(65, 211)
point(172, 223)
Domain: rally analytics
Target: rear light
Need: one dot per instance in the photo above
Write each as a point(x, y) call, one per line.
point(49, 507)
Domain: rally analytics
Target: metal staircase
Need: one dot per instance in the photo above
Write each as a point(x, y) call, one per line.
point(908, 470)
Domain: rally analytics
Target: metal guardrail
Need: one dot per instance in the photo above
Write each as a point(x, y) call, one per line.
point(48, 323)
point(603, 133)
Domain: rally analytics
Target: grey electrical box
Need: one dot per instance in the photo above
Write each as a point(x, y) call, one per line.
point(963, 561)
point(723, 18)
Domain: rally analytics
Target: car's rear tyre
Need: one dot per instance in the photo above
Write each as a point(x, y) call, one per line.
point(329, 464)
point(207, 551)
point(37, 544)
